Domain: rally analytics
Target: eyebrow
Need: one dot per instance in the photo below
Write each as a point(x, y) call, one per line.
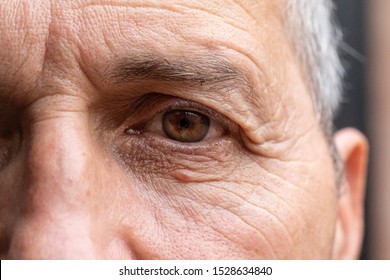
point(209, 70)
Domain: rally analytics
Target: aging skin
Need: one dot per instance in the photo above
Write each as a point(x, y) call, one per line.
point(165, 130)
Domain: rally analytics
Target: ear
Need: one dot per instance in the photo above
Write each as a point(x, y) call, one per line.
point(352, 147)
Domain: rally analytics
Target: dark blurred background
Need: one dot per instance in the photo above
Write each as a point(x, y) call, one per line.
point(352, 18)
point(365, 54)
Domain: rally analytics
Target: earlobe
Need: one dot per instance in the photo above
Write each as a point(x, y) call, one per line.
point(352, 147)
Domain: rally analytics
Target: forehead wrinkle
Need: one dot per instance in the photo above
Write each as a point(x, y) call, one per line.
point(130, 5)
point(254, 8)
point(218, 15)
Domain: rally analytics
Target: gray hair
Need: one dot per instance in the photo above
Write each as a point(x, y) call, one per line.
point(316, 39)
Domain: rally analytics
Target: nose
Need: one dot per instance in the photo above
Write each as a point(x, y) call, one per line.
point(57, 221)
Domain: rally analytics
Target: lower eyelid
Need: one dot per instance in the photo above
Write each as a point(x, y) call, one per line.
point(174, 148)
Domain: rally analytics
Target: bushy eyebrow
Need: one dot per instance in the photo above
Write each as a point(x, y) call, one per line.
point(210, 70)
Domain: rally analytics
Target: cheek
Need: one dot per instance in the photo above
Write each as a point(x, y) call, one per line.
point(193, 206)
point(301, 198)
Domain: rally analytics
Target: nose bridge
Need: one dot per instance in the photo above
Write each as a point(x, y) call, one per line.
point(58, 158)
point(56, 221)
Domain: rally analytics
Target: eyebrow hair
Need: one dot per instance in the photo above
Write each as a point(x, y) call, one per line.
point(209, 70)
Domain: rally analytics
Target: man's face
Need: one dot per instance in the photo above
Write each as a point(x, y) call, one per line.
point(158, 130)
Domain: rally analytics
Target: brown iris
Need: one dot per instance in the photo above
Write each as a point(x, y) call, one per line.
point(185, 126)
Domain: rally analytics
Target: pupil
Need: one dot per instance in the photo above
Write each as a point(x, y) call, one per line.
point(184, 123)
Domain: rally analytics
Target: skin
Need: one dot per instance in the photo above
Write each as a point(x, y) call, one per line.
point(86, 170)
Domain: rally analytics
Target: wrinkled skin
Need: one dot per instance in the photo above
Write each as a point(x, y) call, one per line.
point(78, 179)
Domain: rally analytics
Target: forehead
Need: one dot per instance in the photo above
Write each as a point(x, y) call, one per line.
point(43, 37)
point(171, 15)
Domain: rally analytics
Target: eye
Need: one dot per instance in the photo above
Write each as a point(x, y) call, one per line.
point(184, 123)
point(185, 126)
